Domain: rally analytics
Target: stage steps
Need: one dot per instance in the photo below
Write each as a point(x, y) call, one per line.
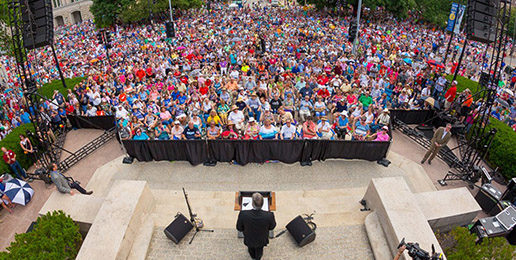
point(86, 150)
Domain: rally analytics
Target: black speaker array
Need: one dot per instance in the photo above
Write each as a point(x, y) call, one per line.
point(38, 23)
point(481, 20)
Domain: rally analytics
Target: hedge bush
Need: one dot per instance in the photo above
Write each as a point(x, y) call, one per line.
point(502, 152)
point(462, 245)
point(47, 90)
point(12, 142)
point(55, 236)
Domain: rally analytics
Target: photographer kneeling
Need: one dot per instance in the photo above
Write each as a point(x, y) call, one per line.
point(63, 184)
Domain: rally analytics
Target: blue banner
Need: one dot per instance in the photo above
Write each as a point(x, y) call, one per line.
point(452, 17)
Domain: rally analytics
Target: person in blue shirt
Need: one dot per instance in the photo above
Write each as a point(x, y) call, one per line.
point(140, 135)
point(361, 129)
point(191, 132)
point(25, 117)
point(182, 98)
point(341, 128)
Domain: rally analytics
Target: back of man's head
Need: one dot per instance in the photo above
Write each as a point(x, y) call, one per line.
point(257, 200)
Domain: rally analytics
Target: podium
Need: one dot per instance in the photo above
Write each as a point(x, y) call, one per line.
point(242, 197)
point(243, 201)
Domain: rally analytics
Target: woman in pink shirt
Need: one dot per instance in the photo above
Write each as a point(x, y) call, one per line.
point(165, 116)
point(382, 135)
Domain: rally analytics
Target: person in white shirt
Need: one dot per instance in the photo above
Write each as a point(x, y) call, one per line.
point(121, 112)
point(91, 110)
point(324, 128)
point(288, 131)
point(236, 116)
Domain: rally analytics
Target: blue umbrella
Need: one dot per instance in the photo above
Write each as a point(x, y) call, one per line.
point(408, 60)
point(18, 191)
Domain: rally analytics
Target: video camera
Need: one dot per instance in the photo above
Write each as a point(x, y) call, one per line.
point(417, 253)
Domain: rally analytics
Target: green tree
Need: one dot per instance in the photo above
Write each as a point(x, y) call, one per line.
point(109, 12)
point(465, 247)
point(105, 12)
point(55, 236)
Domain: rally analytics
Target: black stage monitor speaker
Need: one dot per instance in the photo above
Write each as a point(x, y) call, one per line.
point(487, 197)
point(510, 193)
point(38, 23)
point(301, 232)
point(178, 228)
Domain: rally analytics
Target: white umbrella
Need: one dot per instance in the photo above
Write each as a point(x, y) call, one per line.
point(18, 191)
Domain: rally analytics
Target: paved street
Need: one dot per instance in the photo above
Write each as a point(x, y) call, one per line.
point(344, 242)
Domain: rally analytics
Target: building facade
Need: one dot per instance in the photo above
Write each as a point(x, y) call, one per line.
point(68, 12)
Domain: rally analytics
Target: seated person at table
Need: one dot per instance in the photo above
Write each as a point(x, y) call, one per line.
point(252, 129)
point(191, 132)
point(309, 129)
point(213, 131)
point(288, 131)
point(140, 135)
point(381, 135)
point(324, 129)
point(341, 124)
point(177, 130)
point(161, 132)
point(230, 133)
point(360, 129)
point(268, 131)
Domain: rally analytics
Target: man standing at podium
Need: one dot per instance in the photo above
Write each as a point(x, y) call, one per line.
point(255, 224)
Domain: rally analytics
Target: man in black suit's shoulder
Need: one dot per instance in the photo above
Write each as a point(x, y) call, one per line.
point(255, 224)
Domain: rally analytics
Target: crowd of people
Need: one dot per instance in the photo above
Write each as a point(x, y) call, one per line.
point(252, 73)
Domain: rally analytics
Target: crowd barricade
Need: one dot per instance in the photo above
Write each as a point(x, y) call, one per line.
point(254, 151)
point(96, 122)
point(410, 117)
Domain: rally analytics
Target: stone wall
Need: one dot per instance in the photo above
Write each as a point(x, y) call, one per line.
point(68, 12)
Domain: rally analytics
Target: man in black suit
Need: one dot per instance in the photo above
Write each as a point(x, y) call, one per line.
point(256, 224)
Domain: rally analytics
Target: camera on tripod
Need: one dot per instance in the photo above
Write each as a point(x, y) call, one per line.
point(418, 253)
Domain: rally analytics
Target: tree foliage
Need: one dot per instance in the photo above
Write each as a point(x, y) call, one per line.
point(464, 247)
point(55, 236)
point(109, 12)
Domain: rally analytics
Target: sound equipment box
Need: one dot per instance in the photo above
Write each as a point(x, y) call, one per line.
point(301, 232)
point(510, 193)
point(178, 228)
point(488, 196)
point(511, 237)
point(499, 207)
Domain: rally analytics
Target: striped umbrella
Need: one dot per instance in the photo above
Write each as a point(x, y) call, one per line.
point(18, 191)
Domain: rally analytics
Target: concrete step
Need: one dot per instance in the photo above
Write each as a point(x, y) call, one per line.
point(377, 238)
point(142, 240)
point(118, 221)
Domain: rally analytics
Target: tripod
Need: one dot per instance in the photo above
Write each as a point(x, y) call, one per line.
point(197, 222)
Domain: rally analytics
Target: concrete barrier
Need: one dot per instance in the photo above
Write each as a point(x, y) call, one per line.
point(114, 230)
point(447, 209)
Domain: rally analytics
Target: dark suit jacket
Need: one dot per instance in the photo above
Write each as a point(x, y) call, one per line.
point(438, 136)
point(256, 225)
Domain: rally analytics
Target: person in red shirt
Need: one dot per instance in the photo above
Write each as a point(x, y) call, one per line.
point(10, 159)
point(450, 95)
point(140, 74)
